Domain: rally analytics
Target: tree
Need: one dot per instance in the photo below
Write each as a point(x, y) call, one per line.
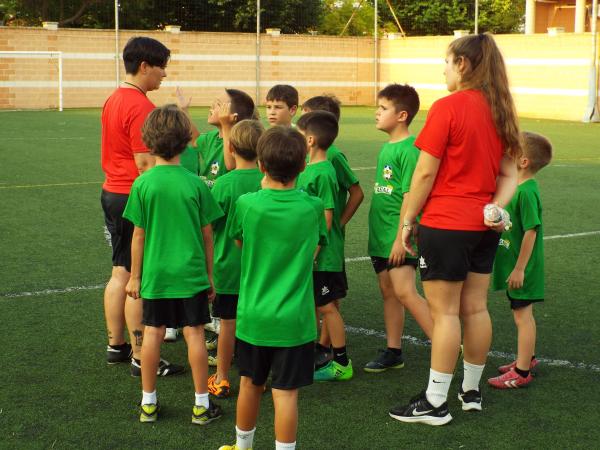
point(337, 13)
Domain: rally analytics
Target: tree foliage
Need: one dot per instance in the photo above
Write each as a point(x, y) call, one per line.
point(417, 17)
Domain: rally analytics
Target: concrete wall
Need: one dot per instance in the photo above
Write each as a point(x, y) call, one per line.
point(549, 75)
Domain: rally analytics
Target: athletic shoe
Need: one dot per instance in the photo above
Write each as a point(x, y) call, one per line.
point(386, 359)
point(115, 356)
point(219, 390)
point(214, 326)
point(419, 410)
point(171, 334)
point(334, 371)
point(322, 357)
point(508, 367)
point(230, 447)
point(510, 380)
point(149, 413)
point(471, 400)
point(212, 360)
point(203, 416)
point(212, 341)
point(165, 368)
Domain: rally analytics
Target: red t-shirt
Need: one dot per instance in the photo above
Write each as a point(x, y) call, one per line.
point(460, 131)
point(122, 118)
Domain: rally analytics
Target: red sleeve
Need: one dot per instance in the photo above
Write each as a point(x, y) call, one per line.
point(138, 117)
point(434, 136)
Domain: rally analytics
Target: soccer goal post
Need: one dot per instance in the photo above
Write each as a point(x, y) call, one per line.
point(25, 82)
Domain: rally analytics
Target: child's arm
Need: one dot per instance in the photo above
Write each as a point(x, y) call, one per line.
point(207, 237)
point(143, 161)
point(137, 257)
point(329, 218)
point(184, 103)
point(506, 185)
point(227, 121)
point(398, 252)
point(517, 276)
point(355, 198)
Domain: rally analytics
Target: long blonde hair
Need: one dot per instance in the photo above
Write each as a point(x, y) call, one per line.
point(486, 72)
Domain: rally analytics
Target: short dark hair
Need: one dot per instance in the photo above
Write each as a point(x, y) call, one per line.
point(241, 104)
point(167, 131)
point(325, 102)
point(139, 49)
point(282, 153)
point(537, 149)
point(244, 138)
point(322, 125)
point(404, 98)
point(284, 93)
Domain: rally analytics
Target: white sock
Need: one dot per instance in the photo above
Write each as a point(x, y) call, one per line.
point(285, 446)
point(471, 377)
point(244, 439)
point(437, 389)
point(149, 398)
point(202, 400)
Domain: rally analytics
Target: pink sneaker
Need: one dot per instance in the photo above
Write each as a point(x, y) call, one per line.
point(512, 365)
point(510, 380)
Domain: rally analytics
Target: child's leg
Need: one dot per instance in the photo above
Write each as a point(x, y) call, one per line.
point(393, 311)
point(526, 330)
point(153, 338)
point(334, 323)
point(248, 404)
point(405, 290)
point(325, 339)
point(225, 348)
point(133, 317)
point(114, 305)
point(286, 414)
point(197, 356)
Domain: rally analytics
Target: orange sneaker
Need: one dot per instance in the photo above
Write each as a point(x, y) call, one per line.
point(220, 390)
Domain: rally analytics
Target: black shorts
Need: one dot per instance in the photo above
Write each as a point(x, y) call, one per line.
point(516, 303)
point(380, 264)
point(225, 306)
point(177, 312)
point(450, 254)
point(290, 367)
point(328, 286)
point(120, 229)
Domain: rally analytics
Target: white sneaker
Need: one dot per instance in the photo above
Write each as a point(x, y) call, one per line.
point(171, 334)
point(214, 325)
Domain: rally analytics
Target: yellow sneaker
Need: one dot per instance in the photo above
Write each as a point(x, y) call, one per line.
point(230, 447)
point(149, 412)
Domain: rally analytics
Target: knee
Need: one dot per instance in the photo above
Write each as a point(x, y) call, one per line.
point(120, 275)
point(469, 310)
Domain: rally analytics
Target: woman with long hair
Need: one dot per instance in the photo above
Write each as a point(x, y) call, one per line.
point(469, 146)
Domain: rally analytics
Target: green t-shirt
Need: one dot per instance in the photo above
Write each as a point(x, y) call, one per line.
point(319, 180)
point(280, 231)
point(172, 205)
point(206, 159)
point(525, 211)
point(226, 191)
point(395, 166)
point(344, 175)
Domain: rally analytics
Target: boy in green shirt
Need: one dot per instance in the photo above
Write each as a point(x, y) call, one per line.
point(397, 105)
point(171, 253)
point(227, 189)
point(519, 264)
point(282, 104)
point(318, 179)
point(204, 156)
point(279, 229)
point(350, 196)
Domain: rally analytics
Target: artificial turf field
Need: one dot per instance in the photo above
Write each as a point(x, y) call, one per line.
point(56, 390)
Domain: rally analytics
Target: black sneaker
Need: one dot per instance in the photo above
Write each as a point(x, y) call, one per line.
point(165, 368)
point(115, 356)
point(322, 357)
point(203, 416)
point(419, 410)
point(471, 400)
point(386, 359)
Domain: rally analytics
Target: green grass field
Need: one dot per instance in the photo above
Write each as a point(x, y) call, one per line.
point(56, 390)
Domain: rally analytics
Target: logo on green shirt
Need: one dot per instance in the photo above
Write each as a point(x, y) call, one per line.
point(214, 168)
point(387, 172)
point(504, 243)
point(384, 189)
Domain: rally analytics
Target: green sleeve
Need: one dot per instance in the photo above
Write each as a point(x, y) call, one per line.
point(134, 210)
point(320, 210)
point(345, 176)
point(326, 189)
point(236, 219)
point(209, 208)
point(529, 207)
point(408, 163)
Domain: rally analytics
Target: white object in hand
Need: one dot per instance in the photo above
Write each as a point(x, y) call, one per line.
point(495, 214)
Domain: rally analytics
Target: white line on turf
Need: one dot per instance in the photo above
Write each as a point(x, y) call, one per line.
point(348, 260)
point(494, 353)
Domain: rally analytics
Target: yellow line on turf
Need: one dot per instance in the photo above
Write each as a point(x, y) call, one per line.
point(27, 186)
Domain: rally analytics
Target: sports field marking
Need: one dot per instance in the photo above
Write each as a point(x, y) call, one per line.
point(27, 186)
point(42, 138)
point(494, 353)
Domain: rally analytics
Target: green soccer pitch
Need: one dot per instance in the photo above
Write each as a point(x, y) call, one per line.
point(56, 390)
